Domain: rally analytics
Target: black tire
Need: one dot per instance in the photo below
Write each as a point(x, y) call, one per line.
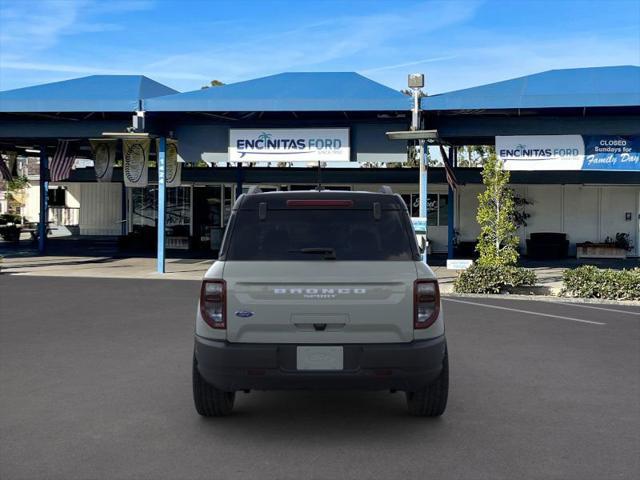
point(432, 400)
point(209, 401)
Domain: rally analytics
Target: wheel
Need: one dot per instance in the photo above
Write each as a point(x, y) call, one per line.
point(432, 400)
point(209, 401)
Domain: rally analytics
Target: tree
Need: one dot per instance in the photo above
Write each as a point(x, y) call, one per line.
point(213, 83)
point(16, 189)
point(474, 155)
point(497, 243)
point(412, 159)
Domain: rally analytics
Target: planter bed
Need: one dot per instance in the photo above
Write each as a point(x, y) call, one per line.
point(599, 250)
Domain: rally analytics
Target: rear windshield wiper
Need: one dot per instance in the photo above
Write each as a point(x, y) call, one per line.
point(329, 253)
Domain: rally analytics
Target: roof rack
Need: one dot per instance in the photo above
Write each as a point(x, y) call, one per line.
point(385, 189)
point(255, 189)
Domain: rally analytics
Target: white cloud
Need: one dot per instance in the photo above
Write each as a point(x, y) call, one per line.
point(436, 37)
point(494, 59)
point(408, 64)
point(347, 40)
point(30, 27)
point(89, 70)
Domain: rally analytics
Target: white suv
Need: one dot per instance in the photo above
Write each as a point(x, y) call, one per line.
point(320, 290)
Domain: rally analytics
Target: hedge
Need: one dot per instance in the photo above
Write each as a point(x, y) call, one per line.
point(493, 279)
point(588, 281)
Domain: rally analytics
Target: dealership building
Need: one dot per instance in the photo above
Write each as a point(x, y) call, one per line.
point(571, 139)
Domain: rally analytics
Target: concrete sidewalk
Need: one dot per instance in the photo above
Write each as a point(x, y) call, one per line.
point(104, 267)
point(183, 269)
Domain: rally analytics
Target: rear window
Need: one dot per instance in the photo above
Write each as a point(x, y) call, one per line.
point(315, 234)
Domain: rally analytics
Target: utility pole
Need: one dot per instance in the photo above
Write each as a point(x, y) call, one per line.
point(416, 83)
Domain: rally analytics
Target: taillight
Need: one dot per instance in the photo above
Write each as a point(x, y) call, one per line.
point(213, 296)
point(426, 303)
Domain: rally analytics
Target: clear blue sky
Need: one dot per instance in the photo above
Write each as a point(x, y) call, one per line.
point(184, 44)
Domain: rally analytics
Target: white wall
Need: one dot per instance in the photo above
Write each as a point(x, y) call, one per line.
point(615, 202)
point(73, 195)
point(581, 215)
point(31, 208)
point(100, 208)
point(583, 212)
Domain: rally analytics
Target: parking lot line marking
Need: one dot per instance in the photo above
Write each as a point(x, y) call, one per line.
point(598, 308)
point(525, 311)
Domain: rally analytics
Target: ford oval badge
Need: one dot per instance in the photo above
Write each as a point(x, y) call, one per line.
point(244, 314)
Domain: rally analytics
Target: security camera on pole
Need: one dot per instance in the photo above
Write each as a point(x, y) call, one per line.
point(416, 83)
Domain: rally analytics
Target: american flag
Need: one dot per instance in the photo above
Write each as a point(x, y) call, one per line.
point(448, 170)
point(62, 161)
point(5, 172)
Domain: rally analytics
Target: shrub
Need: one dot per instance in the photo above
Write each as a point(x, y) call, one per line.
point(493, 279)
point(592, 282)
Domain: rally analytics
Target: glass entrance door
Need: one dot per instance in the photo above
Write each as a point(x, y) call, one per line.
point(211, 210)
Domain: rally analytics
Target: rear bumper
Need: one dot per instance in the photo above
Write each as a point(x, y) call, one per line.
point(396, 366)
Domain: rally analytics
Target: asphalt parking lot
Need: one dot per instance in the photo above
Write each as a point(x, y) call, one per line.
point(95, 384)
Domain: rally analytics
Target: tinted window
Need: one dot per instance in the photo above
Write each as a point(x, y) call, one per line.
point(299, 234)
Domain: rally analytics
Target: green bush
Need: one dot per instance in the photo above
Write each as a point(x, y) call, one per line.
point(592, 282)
point(7, 218)
point(493, 279)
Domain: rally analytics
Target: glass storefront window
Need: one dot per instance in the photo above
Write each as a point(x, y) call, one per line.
point(144, 207)
point(443, 210)
point(432, 209)
point(437, 213)
point(179, 211)
point(144, 211)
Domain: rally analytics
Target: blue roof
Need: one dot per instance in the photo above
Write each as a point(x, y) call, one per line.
point(576, 87)
point(288, 92)
point(96, 93)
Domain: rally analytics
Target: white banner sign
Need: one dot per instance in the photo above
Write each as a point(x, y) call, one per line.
point(541, 152)
point(458, 264)
point(173, 166)
point(289, 145)
point(136, 162)
point(104, 157)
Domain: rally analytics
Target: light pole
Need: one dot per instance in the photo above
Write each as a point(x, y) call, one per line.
point(416, 83)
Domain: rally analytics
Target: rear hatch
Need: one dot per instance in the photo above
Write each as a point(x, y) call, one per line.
point(334, 268)
point(320, 302)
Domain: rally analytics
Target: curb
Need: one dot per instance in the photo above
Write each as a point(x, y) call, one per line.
point(544, 298)
point(536, 290)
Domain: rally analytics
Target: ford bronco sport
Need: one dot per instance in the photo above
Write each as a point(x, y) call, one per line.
point(320, 290)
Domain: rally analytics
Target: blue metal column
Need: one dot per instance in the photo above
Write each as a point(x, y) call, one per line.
point(423, 191)
point(162, 191)
point(44, 200)
point(453, 153)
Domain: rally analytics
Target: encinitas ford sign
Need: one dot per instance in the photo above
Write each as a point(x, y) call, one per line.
point(541, 152)
point(569, 152)
point(289, 145)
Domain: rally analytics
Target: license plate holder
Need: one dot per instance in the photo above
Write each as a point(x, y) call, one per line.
point(320, 358)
